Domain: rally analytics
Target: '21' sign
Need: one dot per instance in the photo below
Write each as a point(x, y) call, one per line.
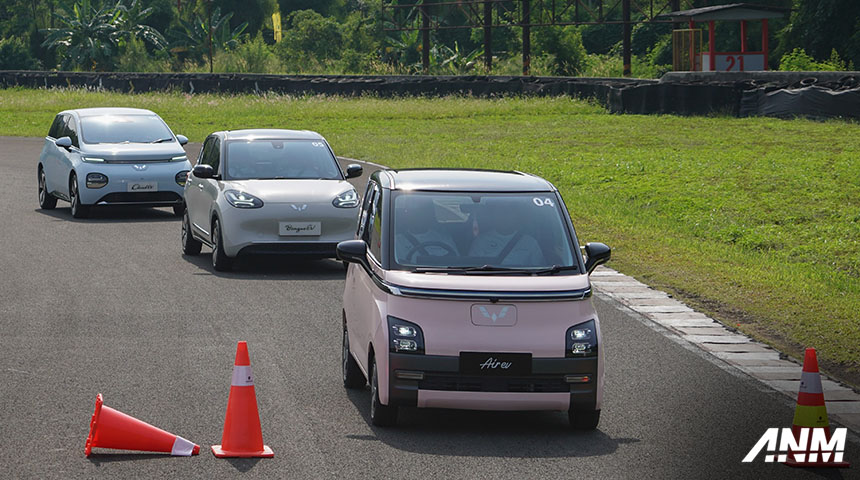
point(739, 62)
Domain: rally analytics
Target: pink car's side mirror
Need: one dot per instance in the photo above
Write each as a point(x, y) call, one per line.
point(596, 254)
point(352, 251)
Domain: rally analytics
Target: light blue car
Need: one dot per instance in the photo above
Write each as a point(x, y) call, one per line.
point(112, 156)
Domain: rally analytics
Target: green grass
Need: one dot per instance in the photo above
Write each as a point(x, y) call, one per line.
point(753, 220)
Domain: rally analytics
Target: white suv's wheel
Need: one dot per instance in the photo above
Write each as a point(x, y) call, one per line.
point(190, 245)
point(220, 261)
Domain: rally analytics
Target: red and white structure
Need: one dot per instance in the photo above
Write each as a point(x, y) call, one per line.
point(736, 61)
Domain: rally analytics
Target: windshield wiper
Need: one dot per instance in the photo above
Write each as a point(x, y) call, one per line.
point(555, 269)
point(161, 140)
point(479, 269)
point(496, 269)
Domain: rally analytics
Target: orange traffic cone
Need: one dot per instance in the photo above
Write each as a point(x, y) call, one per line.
point(811, 415)
point(242, 435)
point(110, 428)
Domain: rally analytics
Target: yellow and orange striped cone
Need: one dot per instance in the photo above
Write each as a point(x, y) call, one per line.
point(811, 414)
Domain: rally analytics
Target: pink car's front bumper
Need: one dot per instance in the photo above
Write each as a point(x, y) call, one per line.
point(434, 381)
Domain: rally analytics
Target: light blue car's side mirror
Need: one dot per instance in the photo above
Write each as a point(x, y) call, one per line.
point(64, 142)
point(182, 139)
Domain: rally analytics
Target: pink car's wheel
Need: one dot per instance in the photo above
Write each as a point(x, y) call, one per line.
point(352, 376)
point(380, 415)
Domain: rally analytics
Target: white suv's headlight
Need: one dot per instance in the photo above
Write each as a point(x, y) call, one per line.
point(347, 199)
point(242, 200)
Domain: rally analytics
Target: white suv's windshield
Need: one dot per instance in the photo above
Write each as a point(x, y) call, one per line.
point(480, 232)
point(276, 159)
point(124, 129)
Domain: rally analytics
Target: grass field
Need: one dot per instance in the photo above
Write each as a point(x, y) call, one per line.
point(755, 221)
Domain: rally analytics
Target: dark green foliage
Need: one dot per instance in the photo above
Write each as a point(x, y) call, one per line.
point(15, 55)
point(323, 7)
point(819, 26)
point(192, 38)
point(565, 44)
point(601, 38)
point(253, 12)
point(311, 38)
point(87, 35)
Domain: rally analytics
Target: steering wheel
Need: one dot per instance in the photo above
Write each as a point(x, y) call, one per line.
point(422, 246)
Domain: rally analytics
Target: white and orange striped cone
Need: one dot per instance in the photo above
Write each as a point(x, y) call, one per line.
point(242, 435)
point(111, 428)
point(811, 414)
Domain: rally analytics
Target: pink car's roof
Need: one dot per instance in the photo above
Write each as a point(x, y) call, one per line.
point(500, 283)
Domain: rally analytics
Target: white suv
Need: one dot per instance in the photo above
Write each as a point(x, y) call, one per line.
point(268, 192)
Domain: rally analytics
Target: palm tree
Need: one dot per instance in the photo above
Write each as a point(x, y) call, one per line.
point(88, 35)
point(131, 24)
point(194, 34)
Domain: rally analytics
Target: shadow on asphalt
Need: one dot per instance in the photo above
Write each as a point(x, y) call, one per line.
point(99, 458)
point(113, 215)
point(243, 464)
point(485, 434)
point(270, 267)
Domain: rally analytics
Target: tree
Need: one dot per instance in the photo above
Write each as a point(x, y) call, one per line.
point(88, 35)
point(311, 36)
point(193, 35)
point(820, 26)
point(130, 24)
point(14, 55)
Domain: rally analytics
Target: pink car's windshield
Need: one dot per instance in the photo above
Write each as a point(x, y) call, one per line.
point(481, 231)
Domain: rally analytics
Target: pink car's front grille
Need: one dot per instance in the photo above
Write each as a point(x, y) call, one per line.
point(462, 383)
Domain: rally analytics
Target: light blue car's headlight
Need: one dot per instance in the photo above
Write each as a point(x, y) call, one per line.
point(96, 180)
point(347, 199)
point(180, 158)
point(242, 200)
point(93, 159)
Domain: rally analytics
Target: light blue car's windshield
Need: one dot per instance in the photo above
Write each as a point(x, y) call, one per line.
point(495, 230)
point(276, 159)
point(124, 129)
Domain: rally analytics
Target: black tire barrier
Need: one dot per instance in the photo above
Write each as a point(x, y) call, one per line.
point(782, 94)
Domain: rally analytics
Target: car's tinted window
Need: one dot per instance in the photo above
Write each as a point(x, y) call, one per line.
point(374, 227)
point(365, 207)
point(205, 152)
point(124, 129)
point(214, 157)
point(274, 159)
point(510, 230)
point(71, 130)
point(57, 127)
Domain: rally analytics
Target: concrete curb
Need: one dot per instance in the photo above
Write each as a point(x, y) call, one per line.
point(758, 360)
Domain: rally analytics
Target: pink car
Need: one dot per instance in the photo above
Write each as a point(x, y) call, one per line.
point(467, 289)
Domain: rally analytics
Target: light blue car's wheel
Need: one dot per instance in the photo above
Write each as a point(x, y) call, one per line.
point(46, 200)
point(78, 210)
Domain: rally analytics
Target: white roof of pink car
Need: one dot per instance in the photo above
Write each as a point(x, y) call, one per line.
point(463, 180)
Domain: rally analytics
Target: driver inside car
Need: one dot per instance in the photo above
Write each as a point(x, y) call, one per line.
point(499, 240)
point(420, 232)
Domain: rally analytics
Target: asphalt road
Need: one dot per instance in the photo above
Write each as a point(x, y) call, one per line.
point(110, 305)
